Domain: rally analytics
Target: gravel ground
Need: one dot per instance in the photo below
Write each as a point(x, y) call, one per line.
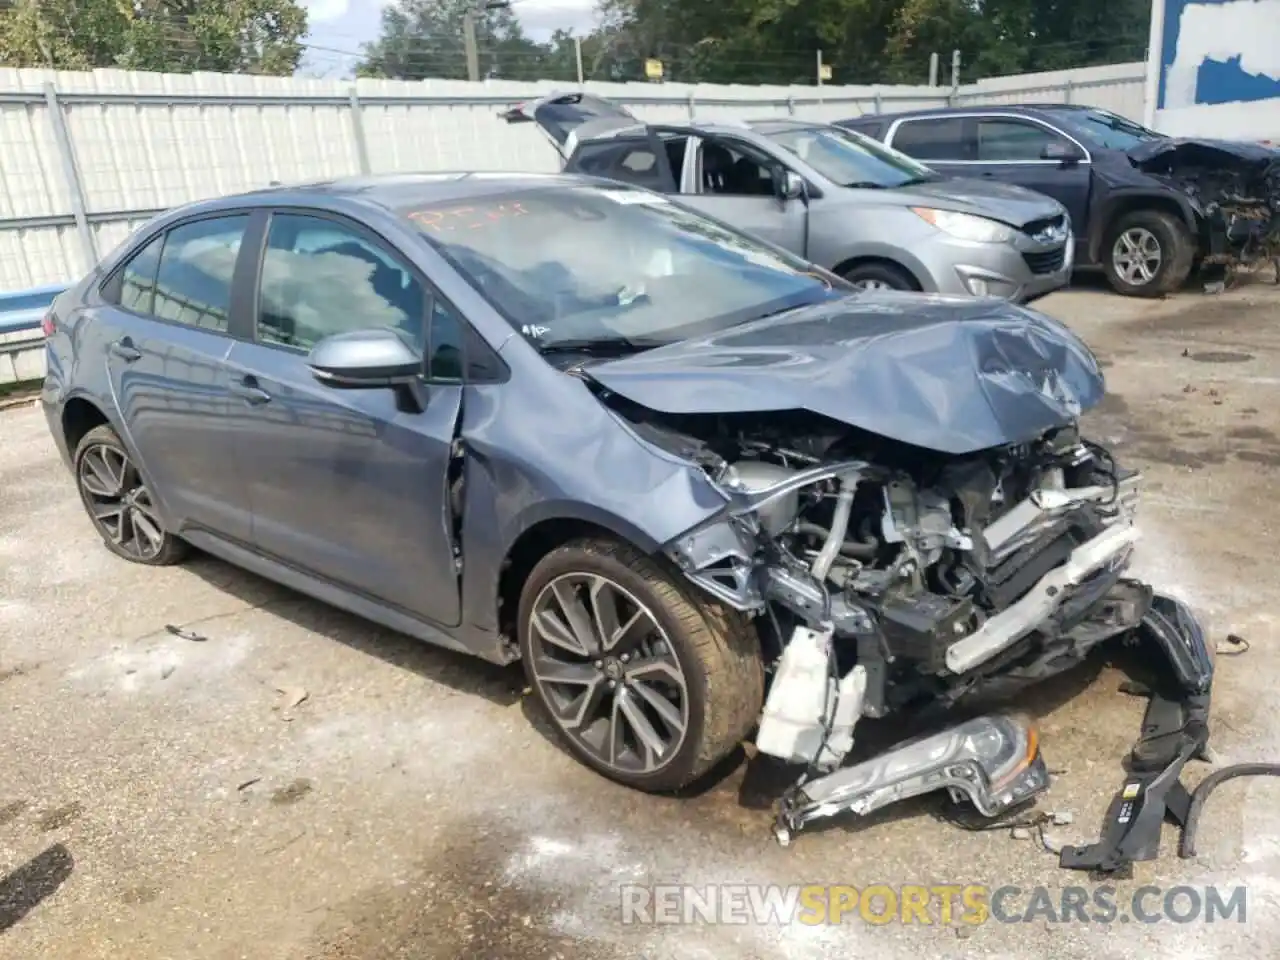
point(300, 784)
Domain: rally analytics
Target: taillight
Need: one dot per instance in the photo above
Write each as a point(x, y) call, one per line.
point(46, 324)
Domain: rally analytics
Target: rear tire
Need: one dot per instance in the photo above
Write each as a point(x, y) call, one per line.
point(119, 502)
point(880, 276)
point(687, 669)
point(1147, 253)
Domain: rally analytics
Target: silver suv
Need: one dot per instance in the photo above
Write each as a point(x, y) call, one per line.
point(832, 196)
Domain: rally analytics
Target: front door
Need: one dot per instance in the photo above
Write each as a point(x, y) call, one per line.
point(733, 181)
point(344, 484)
point(1011, 150)
point(166, 326)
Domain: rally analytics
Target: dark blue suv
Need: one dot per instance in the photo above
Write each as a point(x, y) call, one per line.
point(1142, 231)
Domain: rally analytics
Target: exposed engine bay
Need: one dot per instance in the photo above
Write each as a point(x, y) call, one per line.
point(887, 578)
point(1235, 187)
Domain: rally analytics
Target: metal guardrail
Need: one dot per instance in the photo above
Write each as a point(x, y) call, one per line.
point(23, 309)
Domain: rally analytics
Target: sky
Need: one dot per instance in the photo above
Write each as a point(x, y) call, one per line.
point(339, 27)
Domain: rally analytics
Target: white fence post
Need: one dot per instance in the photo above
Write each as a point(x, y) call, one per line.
point(71, 173)
point(357, 130)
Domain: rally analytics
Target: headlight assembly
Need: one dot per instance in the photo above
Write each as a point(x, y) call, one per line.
point(965, 226)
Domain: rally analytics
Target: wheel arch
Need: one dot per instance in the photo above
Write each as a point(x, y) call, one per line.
point(543, 534)
point(79, 416)
point(1124, 203)
point(861, 260)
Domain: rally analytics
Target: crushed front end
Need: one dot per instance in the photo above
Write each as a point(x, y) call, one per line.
point(1234, 188)
point(889, 580)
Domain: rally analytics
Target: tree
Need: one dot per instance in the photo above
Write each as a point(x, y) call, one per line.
point(176, 36)
point(424, 38)
point(771, 41)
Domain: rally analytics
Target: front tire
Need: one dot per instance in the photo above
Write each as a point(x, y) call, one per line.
point(880, 276)
point(647, 682)
point(1148, 253)
point(119, 502)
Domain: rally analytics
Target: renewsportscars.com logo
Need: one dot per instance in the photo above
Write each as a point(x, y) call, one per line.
point(944, 904)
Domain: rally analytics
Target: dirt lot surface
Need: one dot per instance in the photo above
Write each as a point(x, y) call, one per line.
point(299, 784)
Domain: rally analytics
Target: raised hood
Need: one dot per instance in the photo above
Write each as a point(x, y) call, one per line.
point(950, 374)
point(1014, 205)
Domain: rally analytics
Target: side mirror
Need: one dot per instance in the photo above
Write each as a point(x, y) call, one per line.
point(370, 359)
point(1063, 152)
point(787, 184)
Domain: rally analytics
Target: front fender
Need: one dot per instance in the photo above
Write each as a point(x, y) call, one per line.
point(1128, 198)
point(538, 460)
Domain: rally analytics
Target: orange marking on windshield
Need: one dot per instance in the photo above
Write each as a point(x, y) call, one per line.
point(467, 218)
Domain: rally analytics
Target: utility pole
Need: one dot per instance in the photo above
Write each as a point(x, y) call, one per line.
point(933, 69)
point(469, 20)
point(577, 51)
point(955, 77)
point(473, 51)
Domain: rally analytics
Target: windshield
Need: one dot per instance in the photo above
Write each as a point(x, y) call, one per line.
point(1105, 129)
point(851, 159)
point(604, 263)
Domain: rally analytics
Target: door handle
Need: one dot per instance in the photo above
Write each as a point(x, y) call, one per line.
point(247, 389)
point(125, 350)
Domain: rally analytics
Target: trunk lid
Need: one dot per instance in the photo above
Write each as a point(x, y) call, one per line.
point(569, 118)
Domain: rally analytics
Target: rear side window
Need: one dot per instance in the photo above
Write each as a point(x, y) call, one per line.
point(197, 263)
point(939, 138)
point(631, 161)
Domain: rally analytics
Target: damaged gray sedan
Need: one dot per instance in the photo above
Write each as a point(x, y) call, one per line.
point(703, 490)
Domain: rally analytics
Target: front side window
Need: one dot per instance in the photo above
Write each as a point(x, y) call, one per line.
point(1004, 138)
point(193, 281)
point(939, 138)
point(320, 277)
point(607, 263)
point(851, 159)
point(445, 344)
point(735, 169)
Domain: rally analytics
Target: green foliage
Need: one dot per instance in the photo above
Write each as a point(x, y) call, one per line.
point(770, 41)
point(177, 36)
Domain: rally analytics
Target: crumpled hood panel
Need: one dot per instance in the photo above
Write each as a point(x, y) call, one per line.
point(950, 374)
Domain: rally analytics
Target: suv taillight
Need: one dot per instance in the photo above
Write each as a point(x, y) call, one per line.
point(46, 324)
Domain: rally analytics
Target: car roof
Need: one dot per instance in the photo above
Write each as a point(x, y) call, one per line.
point(759, 127)
point(1029, 109)
point(393, 192)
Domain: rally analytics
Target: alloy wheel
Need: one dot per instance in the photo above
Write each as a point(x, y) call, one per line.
point(119, 502)
point(1136, 256)
point(871, 285)
point(608, 673)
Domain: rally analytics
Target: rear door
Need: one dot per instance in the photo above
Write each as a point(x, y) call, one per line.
point(644, 161)
point(167, 319)
point(567, 118)
point(345, 484)
point(944, 143)
point(733, 181)
point(1012, 150)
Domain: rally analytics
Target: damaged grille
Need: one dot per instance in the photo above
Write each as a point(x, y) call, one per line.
point(1046, 262)
point(1048, 223)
